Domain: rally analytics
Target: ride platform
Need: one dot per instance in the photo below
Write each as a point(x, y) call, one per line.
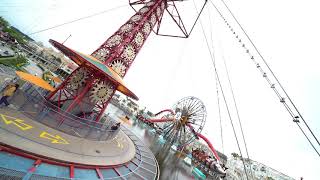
point(19, 131)
point(31, 150)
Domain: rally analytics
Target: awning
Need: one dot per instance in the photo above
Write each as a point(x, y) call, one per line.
point(35, 80)
point(80, 59)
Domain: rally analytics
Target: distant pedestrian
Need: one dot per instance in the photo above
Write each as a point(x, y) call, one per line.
point(8, 92)
point(115, 126)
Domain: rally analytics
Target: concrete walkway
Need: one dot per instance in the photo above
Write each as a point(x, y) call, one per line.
point(23, 133)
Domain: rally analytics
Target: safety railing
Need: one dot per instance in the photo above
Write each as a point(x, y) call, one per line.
point(10, 174)
point(143, 166)
point(31, 102)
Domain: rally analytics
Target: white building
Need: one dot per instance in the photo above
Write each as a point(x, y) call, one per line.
point(255, 170)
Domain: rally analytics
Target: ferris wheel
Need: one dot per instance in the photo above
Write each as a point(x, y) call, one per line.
point(186, 119)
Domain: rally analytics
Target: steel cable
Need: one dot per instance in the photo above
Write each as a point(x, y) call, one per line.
point(212, 56)
point(217, 89)
point(79, 19)
point(272, 86)
point(267, 65)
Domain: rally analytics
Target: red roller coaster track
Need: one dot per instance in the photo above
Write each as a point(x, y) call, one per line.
point(190, 126)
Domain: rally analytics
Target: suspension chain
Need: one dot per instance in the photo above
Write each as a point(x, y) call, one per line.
point(264, 74)
point(272, 81)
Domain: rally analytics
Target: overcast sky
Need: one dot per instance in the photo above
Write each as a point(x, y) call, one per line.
point(168, 69)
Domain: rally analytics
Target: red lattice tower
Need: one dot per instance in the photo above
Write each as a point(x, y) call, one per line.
point(89, 88)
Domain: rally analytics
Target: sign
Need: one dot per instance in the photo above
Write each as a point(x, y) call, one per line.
point(55, 139)
point(17, 122)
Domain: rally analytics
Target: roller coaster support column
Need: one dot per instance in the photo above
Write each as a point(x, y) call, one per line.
point(210, 145)
point(207, 141)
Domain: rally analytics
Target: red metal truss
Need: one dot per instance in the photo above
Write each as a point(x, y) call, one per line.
point(118, 53)
point(130, 36)
point(89, 88)
point(173, 12)
point(80, 97)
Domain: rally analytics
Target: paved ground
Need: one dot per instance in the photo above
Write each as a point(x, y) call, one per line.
point(171, 167)
point(21, 132)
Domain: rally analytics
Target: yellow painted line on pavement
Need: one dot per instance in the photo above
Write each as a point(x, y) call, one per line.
point(119, 143)
point(55, 139)
point(17, 122)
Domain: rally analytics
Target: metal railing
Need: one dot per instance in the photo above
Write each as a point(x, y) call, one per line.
point(138, 172)
point(31, 101)
point(146, 166)
point(10, 174)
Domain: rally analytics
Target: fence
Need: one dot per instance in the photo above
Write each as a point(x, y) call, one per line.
point(31, 101)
